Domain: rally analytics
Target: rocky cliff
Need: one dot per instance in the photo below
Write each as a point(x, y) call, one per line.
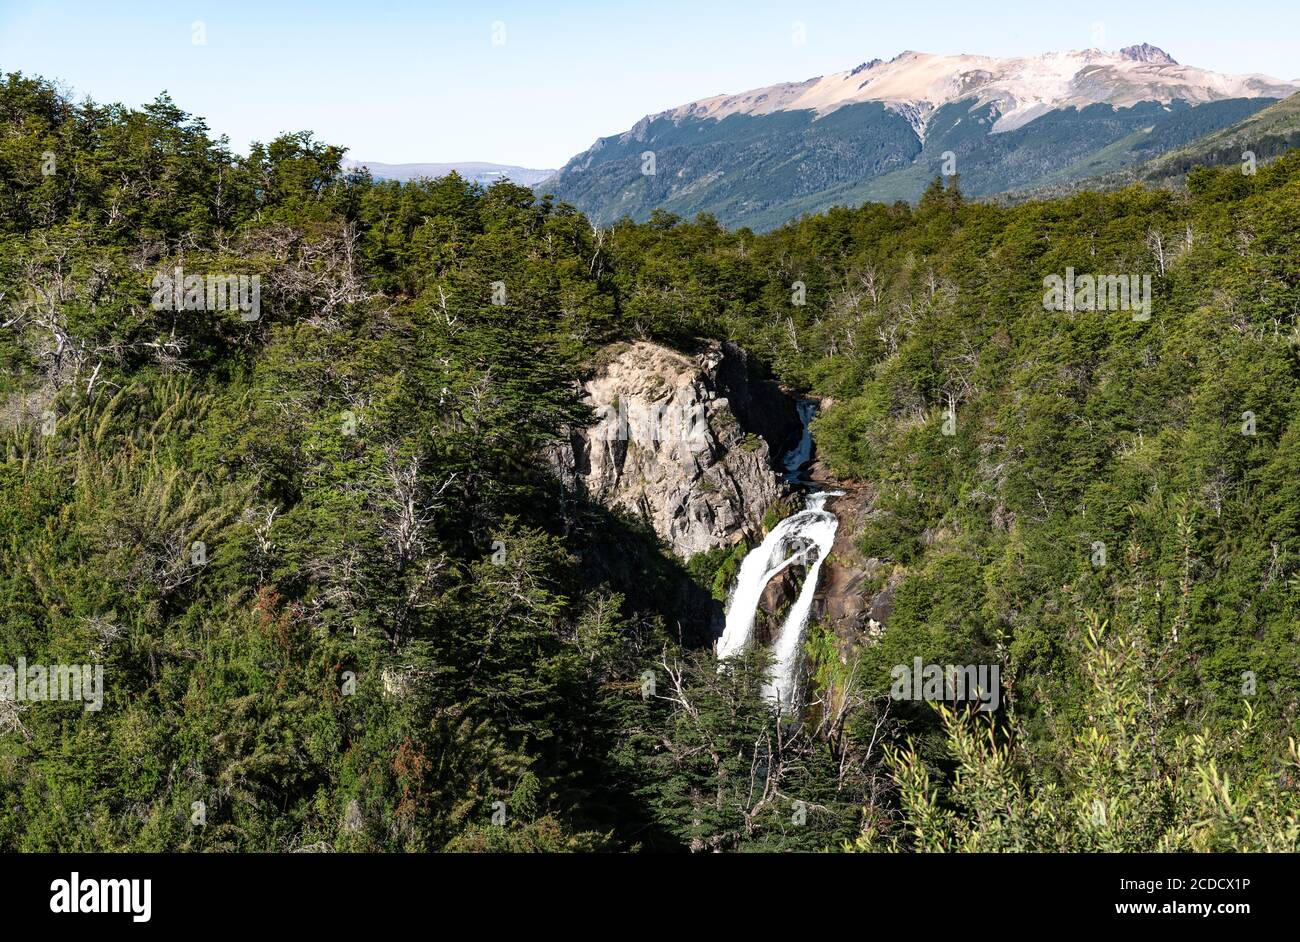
point(687, 442)
point(843, 601)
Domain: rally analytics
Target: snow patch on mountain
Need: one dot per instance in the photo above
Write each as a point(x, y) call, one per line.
point(915, 84)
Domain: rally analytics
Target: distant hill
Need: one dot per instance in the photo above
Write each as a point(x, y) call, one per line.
point(1267, 134)
point(477, 171)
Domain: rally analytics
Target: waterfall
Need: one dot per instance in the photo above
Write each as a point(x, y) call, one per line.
point(757, 569)
point(819, 529)
point(803, 537)
point(801, 454)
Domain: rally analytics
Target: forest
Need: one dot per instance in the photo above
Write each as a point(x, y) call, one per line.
point(342, 605)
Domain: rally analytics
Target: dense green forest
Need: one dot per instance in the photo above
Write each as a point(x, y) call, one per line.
point(399, 634)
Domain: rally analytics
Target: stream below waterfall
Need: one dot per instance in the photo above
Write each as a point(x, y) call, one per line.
point(804, 538)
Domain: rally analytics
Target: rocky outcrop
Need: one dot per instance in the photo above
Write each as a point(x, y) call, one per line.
point(843, 602)
point(685, 442)
point(774, 604)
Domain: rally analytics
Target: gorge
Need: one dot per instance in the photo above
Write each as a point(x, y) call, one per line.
point(706, 451)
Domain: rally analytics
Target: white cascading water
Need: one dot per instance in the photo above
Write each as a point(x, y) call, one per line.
point(756, 571)
point(803, 537)
point(819, 529)
point(799, 538)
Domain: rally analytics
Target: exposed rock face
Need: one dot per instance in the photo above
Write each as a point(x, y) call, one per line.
point(1146, 52)
point(774, 604)
point(686, 442)
point(842, 602)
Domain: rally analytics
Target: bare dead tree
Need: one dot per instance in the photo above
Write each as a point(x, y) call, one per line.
point(1156, 245)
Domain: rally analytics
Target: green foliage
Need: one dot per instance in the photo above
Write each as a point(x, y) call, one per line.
point(399, 620)
point(715, 570)
point(1126, 781)
point(721, 769)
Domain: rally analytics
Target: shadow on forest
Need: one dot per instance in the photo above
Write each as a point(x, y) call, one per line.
point(620, 553)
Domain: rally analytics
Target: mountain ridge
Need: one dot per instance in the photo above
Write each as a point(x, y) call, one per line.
point(1028, 83)
point(883, 129)
point(1264, 135)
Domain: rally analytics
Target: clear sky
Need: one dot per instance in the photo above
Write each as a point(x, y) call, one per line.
point(402, 81)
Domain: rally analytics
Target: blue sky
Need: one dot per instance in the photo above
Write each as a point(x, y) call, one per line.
point(404, 81)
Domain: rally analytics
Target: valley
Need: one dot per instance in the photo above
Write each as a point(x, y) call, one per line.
point(612, 519)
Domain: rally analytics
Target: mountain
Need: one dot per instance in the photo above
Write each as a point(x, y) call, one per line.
point(1267, 134)
point(476, 171)
point(883, 130)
